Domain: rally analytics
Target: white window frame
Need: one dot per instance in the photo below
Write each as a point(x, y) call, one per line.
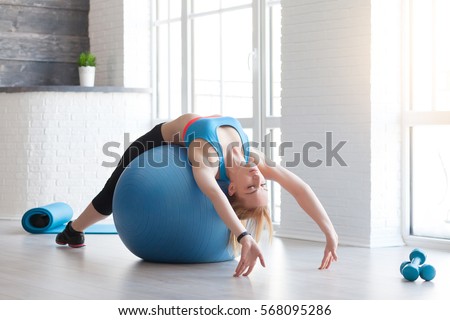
point(410, 119)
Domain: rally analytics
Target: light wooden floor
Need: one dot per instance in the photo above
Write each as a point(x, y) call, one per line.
point(33, 267)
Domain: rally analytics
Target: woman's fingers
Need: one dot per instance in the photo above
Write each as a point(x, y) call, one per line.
point(335, 257)
point(261, 260)
point(249, 270)
point(328, 258)
point(245, 268)
point(241, 267)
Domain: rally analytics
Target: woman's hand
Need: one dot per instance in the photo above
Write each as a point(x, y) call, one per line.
point(330, 254)
point(249, 254)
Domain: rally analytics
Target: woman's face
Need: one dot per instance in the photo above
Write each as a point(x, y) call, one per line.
point(249, 185)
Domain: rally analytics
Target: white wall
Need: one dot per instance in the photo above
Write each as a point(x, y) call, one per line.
point(334, 68)
point(119, 34)
point(106, 35)
point(386, 97)
point(52, 145)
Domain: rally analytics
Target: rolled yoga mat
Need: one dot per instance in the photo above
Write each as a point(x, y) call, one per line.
point(52, 218)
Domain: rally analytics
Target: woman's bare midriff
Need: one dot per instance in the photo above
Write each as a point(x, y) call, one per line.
point(172, 131)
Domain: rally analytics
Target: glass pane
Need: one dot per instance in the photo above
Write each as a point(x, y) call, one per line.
point(421, 55)
point(234, 3)
point(163, 71)
point(168, 9)
point(442, 68)
point(162, 9)
point(249, 133)
point(206, 65)
point(222, 78)
point(430, 55)
point(275, 60)
point(204, 5)
point(236, 63)
point(430, 181)
point(272, 142)
point(199, 6)
point(175, 70)
point(169, 70)
point(175, 9)
point(207, 105)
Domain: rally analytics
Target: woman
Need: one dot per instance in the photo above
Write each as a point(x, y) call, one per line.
point(218, 149)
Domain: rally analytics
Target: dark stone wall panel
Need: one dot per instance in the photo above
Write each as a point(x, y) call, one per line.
point(24, 73)
point(42, 48)
point(43, 21)
point(81, 5)
point(40, 41)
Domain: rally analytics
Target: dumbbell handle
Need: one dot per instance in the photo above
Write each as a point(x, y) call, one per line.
point(417, 254)
point(416, 262)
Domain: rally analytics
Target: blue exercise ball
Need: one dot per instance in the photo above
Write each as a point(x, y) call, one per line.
point(162, 216)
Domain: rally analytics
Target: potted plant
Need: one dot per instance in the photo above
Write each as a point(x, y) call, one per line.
point(86, 69)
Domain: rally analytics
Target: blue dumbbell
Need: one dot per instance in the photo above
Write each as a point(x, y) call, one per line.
point(411, 269)
point(427, 272)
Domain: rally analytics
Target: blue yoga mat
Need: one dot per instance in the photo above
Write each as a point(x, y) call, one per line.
point(52, 218)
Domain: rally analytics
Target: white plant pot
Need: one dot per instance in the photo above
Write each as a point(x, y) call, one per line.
point(87, 76)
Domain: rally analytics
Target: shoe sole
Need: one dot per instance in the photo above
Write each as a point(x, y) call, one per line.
point(70, 245)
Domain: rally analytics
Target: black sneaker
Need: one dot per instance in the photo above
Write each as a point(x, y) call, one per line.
point(71, 237)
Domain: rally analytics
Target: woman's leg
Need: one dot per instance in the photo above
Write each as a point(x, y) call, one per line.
point(87, 218)
point(73, 233)
point(101, 205)
point(103, 201)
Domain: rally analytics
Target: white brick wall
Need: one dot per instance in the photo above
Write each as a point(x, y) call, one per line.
point(106, 34)
point(119, 34)
point(52, 144)
point(328, 87)
point(386, 96)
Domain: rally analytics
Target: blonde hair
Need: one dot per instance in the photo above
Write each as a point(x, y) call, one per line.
point(253, 218)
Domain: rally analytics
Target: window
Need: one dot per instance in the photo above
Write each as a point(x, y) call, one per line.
point(428, 118)
point(167, 58)
point(220, 57)
point(222, 78)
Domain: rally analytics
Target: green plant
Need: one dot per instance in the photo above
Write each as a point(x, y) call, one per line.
point(86, 59)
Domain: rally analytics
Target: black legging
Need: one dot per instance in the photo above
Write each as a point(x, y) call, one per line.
point(103, 201)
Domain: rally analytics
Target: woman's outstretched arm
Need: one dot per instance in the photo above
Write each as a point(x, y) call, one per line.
point(309, 202)
point(250, 252)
